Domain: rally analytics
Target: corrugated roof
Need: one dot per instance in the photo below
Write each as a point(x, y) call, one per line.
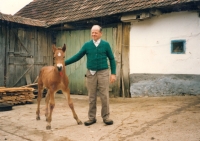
point(22, 20)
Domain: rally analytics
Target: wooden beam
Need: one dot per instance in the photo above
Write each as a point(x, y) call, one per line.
point(155, 12)
point(118, 59)
point(125, 58)
point(68, 26)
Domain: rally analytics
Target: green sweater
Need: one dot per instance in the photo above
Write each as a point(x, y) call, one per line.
point(96, 56)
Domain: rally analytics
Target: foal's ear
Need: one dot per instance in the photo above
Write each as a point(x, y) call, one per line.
point(64, 48)
point(53, 48)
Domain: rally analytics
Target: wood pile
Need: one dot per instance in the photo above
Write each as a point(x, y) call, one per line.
point(16, 95)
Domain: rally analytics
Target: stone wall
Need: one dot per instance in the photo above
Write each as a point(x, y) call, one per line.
point(164, 84)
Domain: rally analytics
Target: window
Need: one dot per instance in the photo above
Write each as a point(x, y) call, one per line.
point(178, 46)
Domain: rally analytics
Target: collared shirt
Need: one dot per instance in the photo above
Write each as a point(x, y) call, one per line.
point(96, 43)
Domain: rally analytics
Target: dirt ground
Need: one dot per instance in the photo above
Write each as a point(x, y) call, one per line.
point(174, 118)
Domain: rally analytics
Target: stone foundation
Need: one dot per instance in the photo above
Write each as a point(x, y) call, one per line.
point(164, 84)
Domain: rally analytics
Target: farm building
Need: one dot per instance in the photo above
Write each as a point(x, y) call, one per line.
point(155, 43)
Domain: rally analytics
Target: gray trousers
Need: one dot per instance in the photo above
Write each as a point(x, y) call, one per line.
point(98, 83)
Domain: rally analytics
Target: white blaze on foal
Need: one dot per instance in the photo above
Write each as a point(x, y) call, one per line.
point(59, 65)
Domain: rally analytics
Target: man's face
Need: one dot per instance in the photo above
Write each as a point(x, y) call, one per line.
point(95, 33)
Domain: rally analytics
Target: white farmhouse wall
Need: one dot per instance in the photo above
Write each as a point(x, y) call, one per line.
point(150, 44)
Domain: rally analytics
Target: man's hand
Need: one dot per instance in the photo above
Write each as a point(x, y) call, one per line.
point(112, 78)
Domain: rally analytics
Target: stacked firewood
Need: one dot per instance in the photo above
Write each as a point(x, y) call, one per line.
point(16, 95)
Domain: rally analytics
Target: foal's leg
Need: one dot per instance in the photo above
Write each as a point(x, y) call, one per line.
point(51, 95)
point(39, 97)
point(47, 97)
point(71, 105)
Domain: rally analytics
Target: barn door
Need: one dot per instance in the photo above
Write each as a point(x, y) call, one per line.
point(19, 60)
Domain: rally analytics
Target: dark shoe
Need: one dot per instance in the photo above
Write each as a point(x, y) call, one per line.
point(90, 122)
point(108, 121)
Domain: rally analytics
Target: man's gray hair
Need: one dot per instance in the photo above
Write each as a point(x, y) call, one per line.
point(100, 28)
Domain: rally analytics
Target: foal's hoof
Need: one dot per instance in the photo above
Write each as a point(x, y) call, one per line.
point(37, 118)
point(48, 127)
point(80, 122)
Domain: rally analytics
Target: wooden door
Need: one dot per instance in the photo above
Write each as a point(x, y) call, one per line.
point(25, 49)
point(20, 58)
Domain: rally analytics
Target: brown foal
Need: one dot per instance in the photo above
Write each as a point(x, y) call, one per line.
point(54, 78)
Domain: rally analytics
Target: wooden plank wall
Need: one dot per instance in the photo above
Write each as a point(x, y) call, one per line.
point(27, 50)
point(76, 71)
point(121, 87)
point(2, 52)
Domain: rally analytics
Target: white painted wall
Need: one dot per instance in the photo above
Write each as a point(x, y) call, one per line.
point(150, 44)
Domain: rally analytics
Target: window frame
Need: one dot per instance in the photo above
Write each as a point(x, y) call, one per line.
point(177, 41)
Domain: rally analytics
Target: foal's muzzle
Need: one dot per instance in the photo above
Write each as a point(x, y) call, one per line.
point(59, 67)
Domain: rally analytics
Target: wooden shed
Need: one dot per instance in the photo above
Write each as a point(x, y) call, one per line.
point(25, 47)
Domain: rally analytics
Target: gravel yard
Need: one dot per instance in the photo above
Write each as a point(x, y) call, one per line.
point(173, 118)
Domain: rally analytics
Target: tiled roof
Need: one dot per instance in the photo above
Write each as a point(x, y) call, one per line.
point(60, 11)
point(22, 20)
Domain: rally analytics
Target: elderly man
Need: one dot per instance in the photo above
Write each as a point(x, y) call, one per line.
point(97, 52)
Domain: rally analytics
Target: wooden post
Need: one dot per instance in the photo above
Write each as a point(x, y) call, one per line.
point(125, 58)
point(117, 54)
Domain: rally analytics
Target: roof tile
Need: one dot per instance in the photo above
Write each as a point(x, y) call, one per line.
point(57, 11)
point(22, 20)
